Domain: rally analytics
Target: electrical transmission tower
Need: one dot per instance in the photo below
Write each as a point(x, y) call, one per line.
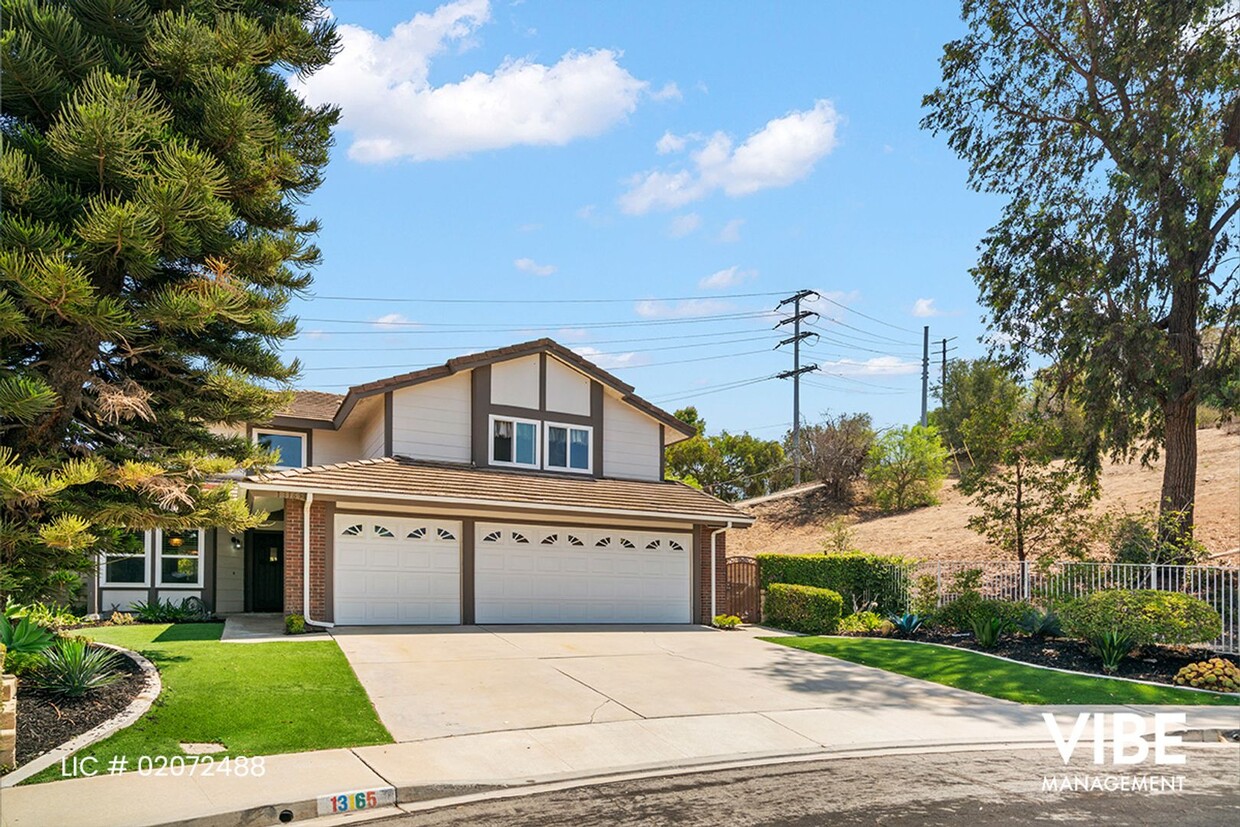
point(943, 369)
point(795, 339)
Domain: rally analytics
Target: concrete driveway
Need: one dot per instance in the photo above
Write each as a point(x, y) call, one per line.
point(432, 682)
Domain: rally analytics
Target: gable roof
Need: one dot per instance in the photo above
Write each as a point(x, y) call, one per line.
point(503, 354)
point(445, 484)
point(316, 406)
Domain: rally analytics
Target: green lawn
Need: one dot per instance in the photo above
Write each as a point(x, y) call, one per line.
point(255, 698)
point(974, 672)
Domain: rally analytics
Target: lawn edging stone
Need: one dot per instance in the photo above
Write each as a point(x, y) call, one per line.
point(1234, 695)
point(129, 715)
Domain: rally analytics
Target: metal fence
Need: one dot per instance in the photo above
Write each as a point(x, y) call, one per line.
point(1009, 580)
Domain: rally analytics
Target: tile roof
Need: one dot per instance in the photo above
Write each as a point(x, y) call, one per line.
point(443, 483)
point(313, 405)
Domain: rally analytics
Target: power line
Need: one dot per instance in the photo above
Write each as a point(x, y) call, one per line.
point(871, 318)
point(876, 336)
point(403, 327)
point(467, 348)
point(707, 390)
point(410, 300)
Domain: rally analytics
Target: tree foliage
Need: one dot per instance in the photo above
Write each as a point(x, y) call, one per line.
point(730, 466)
point(153, 159)
point(978, 397)
point(834, 451)
point(1111, 127)
point(906, 467)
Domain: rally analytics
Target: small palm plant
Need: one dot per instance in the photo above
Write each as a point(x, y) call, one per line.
point(72, 669)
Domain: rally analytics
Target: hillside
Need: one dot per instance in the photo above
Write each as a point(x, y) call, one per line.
point(797, 524)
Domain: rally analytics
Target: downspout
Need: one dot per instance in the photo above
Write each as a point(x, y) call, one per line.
point(305, 562)
point(714, 580)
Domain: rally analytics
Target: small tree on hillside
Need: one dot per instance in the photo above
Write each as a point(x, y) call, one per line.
point(1028, 503)
point(906, 467)
point(835, 451)
point(981, 393)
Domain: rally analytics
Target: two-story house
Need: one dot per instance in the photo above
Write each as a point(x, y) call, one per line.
point(519, 485)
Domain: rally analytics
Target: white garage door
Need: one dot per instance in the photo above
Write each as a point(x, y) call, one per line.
point(540, 574)
point(397, 571)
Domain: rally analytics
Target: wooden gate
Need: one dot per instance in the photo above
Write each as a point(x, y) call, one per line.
point(742, 593)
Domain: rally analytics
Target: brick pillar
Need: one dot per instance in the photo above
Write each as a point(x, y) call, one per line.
point(721, 573)
point(292, 556)
point(293, 564)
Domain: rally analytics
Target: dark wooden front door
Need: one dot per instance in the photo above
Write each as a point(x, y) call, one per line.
point(266, 571)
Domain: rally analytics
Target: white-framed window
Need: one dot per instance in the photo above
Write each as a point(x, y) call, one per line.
point(128, 565)
point(514, 442)
point(568, 447)
point(290, 444)
point(178, 557)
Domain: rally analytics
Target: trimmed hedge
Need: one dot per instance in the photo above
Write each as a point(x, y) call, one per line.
point(854, 576)
point(1144, 615)
point(806, 609)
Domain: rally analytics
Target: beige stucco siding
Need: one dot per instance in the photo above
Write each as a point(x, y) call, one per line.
point(229, 574)
point(568, 391)
point(515, 382)
point(338, 446)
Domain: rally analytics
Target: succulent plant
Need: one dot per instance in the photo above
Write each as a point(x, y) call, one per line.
point(1217, 674)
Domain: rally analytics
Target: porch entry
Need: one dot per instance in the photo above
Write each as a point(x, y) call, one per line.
point(265, 571)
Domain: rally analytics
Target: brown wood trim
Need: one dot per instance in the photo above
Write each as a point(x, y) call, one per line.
point(596, 420)
point(388, 405)
point(479, 407)
point(663, 452)
point(468, 539)
point(283, 422)
point(208, 576)
point(329, 562)
point(695, 576)
point(544, 416)
point(538, 520)
point(542, 384)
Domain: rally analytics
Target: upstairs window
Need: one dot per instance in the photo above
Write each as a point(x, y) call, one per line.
point(514, 442)
point(568, 447)
point(290, 446)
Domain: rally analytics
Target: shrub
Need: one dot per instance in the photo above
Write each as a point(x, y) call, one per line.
point(906, 625)
point(860, 579)
point(189, 610)
point(1040, 624)
point(72, 669)
point(803, 608)
point(1146, 537)
point(1112, 646)
point(23, 663)
point(1217, 674)
point(24, 636)
point(51, 615)
point(861, 622)
point(925, 596)
point(3, 650)
point(1144, 615)
point(120, 619)
point(906, 466)
point(294, 624)
point(726, 621)
point(987, 628)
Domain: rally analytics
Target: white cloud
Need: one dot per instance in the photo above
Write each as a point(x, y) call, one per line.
point(731, 232)
point(686, 309)
point(393, 111)
point(670, 143)
point(729, 277)
point(683, 225)
point(878, 366)
point(393, 321)
point(608, 361)
point(925, 309)
point(668, 92)
point(528, 265)
point(781, 153)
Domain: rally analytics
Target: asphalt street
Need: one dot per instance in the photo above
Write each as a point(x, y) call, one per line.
point(974, 788)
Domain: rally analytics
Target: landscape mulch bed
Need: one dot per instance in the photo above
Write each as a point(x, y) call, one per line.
point(46, 721)
point(1153, 663)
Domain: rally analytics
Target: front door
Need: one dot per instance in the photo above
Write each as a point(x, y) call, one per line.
point(267, 571)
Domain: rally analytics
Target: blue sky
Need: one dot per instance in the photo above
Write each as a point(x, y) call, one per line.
point(513, 158)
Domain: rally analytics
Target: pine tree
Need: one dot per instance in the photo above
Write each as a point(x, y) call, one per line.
point(152, 163)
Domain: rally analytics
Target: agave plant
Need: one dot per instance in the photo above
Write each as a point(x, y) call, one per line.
point(1036, 624)
point(906, 624)
point(987, 629)
point(23, 637)
point(1112, 647)
point(72, 669)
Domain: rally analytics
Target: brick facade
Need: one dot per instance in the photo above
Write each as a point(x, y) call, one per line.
point(721, 573)
point(293, 564)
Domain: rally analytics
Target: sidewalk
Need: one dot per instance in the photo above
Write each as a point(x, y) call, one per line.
point(452, 766)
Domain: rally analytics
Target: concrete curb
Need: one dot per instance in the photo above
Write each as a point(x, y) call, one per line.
point(136, 709)
point(1234, 695)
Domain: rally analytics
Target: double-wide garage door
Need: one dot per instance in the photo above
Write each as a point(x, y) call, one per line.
point(395, 570)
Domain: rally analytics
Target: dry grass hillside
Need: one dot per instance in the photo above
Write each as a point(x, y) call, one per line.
point(798, 524)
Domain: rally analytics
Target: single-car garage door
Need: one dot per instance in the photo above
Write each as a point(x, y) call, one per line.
point(542, 574)
point(396, 571)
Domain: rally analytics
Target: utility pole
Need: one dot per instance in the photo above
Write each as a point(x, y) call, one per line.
point(925, 372)
point(795, 374)
point(943, 379)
